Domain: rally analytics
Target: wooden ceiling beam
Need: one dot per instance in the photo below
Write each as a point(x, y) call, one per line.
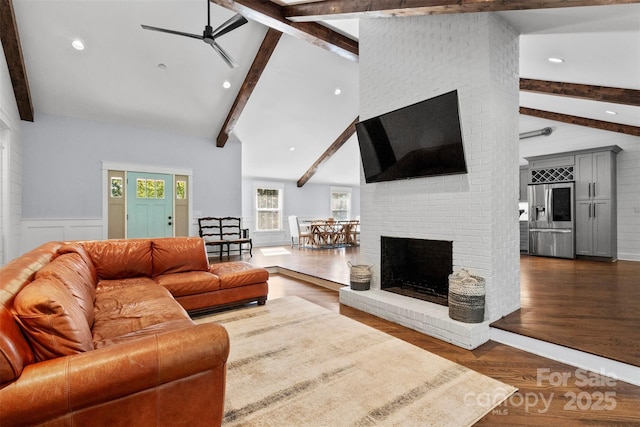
point(595, 93)
point(272, 15)
point(333, 148)
point(581, 121)
point(251, 80)
point(15, 61)
point(338, 9)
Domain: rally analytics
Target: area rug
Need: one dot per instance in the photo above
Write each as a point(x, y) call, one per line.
point(294, 363)
point(274, 251)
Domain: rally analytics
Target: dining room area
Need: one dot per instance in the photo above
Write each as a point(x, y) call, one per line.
point(326, 233)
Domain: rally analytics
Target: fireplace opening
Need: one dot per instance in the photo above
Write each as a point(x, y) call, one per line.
point(417, 268)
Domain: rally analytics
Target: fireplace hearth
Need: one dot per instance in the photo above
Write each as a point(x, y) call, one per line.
point(417, 268)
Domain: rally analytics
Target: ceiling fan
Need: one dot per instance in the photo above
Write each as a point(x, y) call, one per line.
point(209, 35)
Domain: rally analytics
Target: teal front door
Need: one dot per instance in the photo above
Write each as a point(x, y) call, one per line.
point(149, 205)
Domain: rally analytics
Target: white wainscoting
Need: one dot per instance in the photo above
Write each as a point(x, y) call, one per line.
point(38, 231)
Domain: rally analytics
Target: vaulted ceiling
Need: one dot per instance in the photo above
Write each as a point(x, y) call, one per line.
point(294, 56)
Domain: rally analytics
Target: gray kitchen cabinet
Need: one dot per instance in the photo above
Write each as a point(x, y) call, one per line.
point(594, 235)
point(595, 175)
point(524, 180)
point(595, 193)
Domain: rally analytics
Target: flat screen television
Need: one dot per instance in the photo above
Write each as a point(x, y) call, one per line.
point(422, 139)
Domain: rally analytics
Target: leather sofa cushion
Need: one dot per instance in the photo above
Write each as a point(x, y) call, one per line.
point(189, 283)
point(119, 259)
point(52, 320)
point(77, 248)
point(238, 273)
point(154, 329)
point(15, 351)
point(73, 272)
point(125, 306)
point(179, 255)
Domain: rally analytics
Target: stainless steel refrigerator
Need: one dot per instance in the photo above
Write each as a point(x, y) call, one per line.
point(552, 220)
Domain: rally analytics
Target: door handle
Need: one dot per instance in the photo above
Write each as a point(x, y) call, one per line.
point(589, 186)
point(594, 209)
point(169, 223)
point(169, 217)
point(594, 192)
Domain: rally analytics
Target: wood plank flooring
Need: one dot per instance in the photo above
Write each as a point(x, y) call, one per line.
point(550, 393)
point(590, 306)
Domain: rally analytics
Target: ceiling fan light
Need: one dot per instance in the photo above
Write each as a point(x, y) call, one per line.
point(77, 44)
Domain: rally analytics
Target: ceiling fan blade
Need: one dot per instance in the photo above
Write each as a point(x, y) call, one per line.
point(179, 33)
point(225, 56)
point(230, 25)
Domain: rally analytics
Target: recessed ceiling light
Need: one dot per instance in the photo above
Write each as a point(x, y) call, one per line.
point(162, 67)
point(292, 149)
point(613, 113)
point(226, 85)
point(555, 60)
point(77, 44)
point(338, 91)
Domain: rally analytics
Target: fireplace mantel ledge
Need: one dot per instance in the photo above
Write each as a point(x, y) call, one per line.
point(422, 316)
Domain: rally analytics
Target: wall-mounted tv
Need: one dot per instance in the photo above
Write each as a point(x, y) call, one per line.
point(422, 139)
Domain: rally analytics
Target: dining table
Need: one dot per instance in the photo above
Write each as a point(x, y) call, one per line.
point(331, 233)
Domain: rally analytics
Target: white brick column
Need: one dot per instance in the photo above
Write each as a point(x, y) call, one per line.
point(407, 60)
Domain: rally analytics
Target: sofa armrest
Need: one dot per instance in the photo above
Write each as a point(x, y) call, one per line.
point(50, 389)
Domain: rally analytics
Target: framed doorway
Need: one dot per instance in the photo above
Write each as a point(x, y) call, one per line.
point(118, 211)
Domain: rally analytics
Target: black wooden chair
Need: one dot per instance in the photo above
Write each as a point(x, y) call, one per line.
point(231, 231)
point(210, 229)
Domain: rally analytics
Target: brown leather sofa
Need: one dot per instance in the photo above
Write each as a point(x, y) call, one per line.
point(97, 333)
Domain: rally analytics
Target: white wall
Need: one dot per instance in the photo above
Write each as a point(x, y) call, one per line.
point(405, 60)
point(63, 166)
point(629, 202)
point(11, 168)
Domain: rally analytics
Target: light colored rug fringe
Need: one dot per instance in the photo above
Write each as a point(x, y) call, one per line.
point(294, 363)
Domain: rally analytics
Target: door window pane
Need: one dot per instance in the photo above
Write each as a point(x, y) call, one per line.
point(160, 189)
point(141, 188)
point(151, 189)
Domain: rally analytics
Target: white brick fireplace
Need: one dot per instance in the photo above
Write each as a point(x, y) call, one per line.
point(406, 60)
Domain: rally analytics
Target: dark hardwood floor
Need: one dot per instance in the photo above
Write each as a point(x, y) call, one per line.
point(550, 393)
point(590, 306)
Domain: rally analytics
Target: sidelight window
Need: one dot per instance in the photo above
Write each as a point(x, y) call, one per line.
point(181, 190)
point(116, 187)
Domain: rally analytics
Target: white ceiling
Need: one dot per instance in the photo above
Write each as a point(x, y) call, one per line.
point(117, 78)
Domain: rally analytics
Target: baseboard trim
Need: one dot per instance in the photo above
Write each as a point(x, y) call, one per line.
point(624, 256)
point(579, 359)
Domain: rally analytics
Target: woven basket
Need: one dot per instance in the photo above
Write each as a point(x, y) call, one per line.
point(466, 297)
point(360, 277)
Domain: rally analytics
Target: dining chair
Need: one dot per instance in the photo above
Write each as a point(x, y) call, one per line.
point(297, 232)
